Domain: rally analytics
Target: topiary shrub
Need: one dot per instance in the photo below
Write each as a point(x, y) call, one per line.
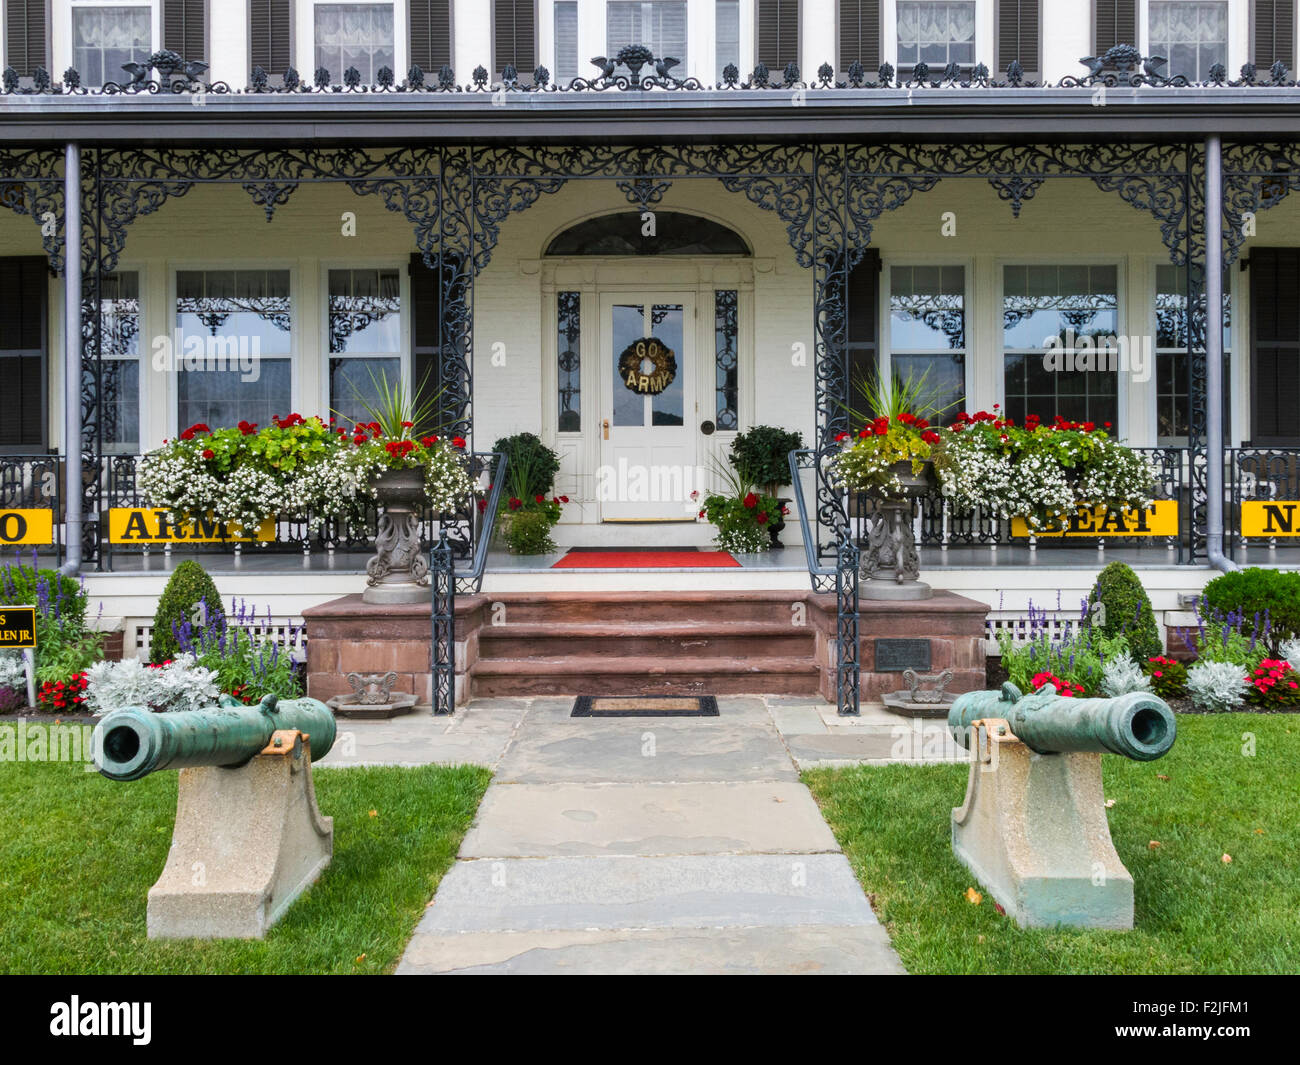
point(531, 466)
point(189, 586)
point(1266, 600)
point(761, 455)
point(1118, 605)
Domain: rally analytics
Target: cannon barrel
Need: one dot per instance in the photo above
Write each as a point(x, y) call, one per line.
point(134, 742)
point(1139, 725)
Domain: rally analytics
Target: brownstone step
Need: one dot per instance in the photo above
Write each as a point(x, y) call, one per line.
point(620, 608)
point(645, 675)
point(732, 640)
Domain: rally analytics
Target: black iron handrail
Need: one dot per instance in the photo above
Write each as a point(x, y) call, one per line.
point(821, 576)
point(495, 462)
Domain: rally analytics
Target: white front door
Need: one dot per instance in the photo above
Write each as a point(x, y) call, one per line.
point(648, 407)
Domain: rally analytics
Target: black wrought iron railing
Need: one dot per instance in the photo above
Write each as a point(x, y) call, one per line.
point(445, 583)
point(31, 496)
point(1269, 475)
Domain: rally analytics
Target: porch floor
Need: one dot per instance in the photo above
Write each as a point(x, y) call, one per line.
point(786, 560)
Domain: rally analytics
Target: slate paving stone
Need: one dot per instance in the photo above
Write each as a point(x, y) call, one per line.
point(692, 891)
point(581, 750)
point(530, 820)
point(805, 950)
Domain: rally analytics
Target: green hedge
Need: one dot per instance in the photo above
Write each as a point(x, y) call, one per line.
point(189, 585)
point(1259, 593)
point(1126, 610)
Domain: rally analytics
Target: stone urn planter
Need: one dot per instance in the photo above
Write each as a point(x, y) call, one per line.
point(891, 565)
point(398, 572)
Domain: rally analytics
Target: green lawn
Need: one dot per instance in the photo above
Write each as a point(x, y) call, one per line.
point(79, 852)
point(1194, 912)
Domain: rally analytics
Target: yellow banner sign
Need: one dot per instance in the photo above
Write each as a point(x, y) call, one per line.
point(26, 526)
point(140, 525)
point(1270, 517)
point(1159, 519)
point(17, 626)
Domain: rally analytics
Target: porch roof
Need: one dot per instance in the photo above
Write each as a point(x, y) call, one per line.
point(1148, 113)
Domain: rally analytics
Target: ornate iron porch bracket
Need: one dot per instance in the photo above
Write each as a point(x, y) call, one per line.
point(32, 184)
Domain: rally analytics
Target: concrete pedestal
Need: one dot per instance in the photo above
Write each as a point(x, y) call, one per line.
point(1033, 830)
point(247, 842)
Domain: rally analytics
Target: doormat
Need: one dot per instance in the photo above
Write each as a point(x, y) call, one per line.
point(661, 559)
point(645, 706)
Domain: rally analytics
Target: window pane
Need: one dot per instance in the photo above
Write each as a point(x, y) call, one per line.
point(927, 313)
point(569, 360)
point(566, 41)
point(1172, 386)
point(629, 327)
point(668, 327)
point(119, 306)
point(104, 38)
point(354, 35)
point(223, 398)
point(233, 324)
point(354, 384)
point(937, 32)
point(1065, 303)
point(726, 351)
point(727, 35)
point(659, 25)
point(1192, 36)
point(365, 311)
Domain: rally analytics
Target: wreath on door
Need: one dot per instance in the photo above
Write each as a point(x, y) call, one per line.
point(631, 366)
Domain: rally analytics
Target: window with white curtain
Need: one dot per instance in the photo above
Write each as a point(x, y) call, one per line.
point(119, 311)
point(107, 36)
point(659, 25)
point(355, 35)
point(937, 32)
point(727, 35)
point(1193, 36)
point(566, 41)
point(365, 328)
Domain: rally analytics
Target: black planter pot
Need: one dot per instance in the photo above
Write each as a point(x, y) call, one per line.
point(774, 526)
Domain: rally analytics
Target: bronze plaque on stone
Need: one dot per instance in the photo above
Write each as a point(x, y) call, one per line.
point(894, 656)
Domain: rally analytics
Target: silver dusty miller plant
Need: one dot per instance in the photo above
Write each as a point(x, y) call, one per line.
point(1121, 675)
point(1217, 687)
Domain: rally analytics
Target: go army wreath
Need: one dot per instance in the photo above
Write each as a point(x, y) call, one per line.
point(631, 366)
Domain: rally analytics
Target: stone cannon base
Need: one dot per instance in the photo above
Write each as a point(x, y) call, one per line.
point(1033, 830)
point(247, 842)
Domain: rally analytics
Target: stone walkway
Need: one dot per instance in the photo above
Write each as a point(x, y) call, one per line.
point(647, 845)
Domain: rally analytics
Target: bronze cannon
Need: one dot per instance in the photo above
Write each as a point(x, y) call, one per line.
point(133, 742)
point(1139, 725)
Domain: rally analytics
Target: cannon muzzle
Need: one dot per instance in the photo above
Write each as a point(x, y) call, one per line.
point(134, 742)
point(1139, 725)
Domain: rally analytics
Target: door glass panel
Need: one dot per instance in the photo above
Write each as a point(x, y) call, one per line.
point(666, 326)
point(629, 327)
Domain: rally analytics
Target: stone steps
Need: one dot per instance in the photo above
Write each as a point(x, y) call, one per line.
point(643, 643)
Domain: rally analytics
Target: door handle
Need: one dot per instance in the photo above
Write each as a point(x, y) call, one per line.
point(604, 428)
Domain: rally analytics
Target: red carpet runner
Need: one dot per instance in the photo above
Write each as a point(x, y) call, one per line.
point(645, 560)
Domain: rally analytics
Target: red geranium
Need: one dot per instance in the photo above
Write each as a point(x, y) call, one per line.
point(457, 441)
point(249, 428)
point(751, 501)
point(515, 504)
point(208, 453)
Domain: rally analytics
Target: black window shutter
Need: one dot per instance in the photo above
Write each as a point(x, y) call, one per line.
point(1018, 36)
point(430, 29)
point(862, 328)
point(1275, 345)
point(270, 35)
point(860, 34)
point(1274, 32)
point(27, 35)
point(184, 28)
point(778, 33)
point(426, 329)
point(514, 35)
point(1116, 23)
point(25, 281)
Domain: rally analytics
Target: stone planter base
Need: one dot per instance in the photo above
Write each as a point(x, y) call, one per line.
point(952, 624)
point(349, 635)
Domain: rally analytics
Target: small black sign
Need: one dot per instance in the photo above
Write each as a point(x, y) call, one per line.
point(17, 626)
point(894, 656)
